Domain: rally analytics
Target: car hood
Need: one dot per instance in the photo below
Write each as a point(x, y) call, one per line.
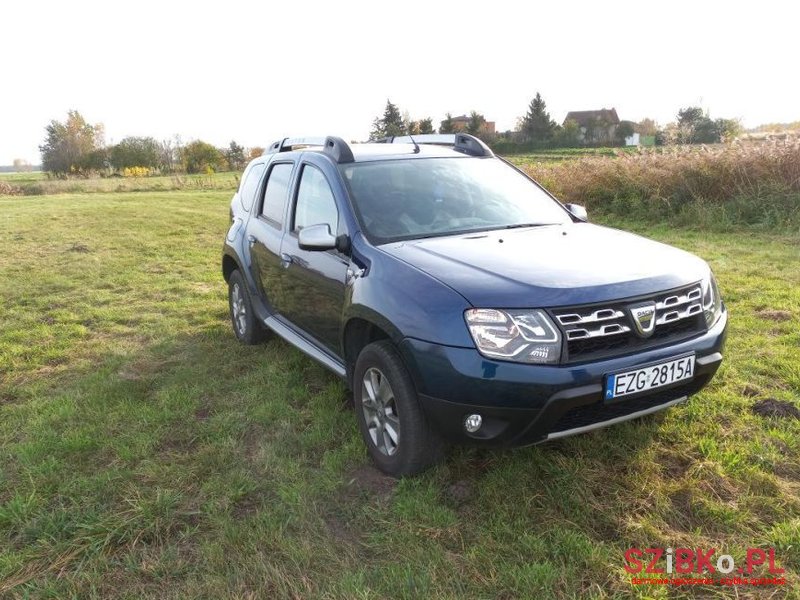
point(548, 266)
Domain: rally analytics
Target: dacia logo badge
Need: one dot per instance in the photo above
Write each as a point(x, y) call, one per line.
point(644, 318)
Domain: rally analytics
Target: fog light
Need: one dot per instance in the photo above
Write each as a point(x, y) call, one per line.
point(472, 423)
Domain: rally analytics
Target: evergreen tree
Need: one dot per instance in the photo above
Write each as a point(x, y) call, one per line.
point(537, 124)
point(426, 125)
point(446, 126)
point(475, 124)
point(390, 124)
point(234, 155)
point(393, 120)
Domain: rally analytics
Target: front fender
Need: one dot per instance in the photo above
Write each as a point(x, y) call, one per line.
point(404, 301)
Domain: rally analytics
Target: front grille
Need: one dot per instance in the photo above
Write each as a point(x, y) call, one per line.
point(592, 414)
point(607, 330)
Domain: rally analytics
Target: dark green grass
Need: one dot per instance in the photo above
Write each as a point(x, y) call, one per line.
point(144, 453)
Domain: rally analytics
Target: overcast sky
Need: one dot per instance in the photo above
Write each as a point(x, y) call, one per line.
point(258, 71)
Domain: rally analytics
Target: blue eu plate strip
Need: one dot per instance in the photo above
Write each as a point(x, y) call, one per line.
point(610, 386)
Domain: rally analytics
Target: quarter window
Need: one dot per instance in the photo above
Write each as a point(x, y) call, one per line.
point(248, 190)
point(315, 203)
point(276, 192)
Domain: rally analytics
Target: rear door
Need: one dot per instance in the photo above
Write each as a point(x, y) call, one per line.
point(265, 232)
point(315, 281)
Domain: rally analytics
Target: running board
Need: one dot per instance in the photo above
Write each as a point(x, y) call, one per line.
point(601, 424)
point(305, 346)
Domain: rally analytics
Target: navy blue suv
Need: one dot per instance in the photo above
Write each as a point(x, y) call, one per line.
point(458, 299)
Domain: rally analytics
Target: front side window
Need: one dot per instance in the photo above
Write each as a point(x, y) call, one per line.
point(247, 193)
point(276, 192)
point(427, 197)
point(315, 203)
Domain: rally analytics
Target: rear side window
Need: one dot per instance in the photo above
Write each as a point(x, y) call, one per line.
point(276, 192)
point(315, 203)
point(247, 193)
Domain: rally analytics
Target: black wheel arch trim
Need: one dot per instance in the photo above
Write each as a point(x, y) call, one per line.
point(261, 309)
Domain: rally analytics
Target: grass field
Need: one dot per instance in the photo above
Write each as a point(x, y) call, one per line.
point(144, 453)
point(37, 183)
point(23, 176)
point(560, 154)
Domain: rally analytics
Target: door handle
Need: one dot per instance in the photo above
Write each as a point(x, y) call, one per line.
point(286, 260)
point(251, 239)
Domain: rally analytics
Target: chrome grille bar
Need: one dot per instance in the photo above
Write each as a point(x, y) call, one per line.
point(614, 320)
point(602, 314)
point(693, 295)
point(581, 333)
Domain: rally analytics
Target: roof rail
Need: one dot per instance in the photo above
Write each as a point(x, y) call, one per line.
point(333, 146)
point(469, 144)
point(287, 144)
point(461, 142)
point(338, 149)
point(438, 139)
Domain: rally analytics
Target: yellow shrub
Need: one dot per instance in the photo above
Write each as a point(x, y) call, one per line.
point(137, 172)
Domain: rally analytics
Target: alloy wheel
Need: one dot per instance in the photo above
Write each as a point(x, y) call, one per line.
point(380, 411)
point(238, 309)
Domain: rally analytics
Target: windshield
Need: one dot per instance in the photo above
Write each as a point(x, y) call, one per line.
point(406, 199)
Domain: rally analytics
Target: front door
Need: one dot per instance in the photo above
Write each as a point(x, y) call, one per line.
point(314, 284)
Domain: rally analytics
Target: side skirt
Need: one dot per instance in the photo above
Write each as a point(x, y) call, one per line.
point(306, 346)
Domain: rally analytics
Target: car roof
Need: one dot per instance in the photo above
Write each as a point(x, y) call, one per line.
point(402, 147)
point(373, 152)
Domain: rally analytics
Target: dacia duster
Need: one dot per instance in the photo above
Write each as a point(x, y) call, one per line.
point(458, 299)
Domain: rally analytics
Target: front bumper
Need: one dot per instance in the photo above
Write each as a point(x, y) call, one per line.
point(528, 404)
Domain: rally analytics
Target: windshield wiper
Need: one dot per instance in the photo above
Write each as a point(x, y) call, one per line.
point(520, 225)
point(435, 234)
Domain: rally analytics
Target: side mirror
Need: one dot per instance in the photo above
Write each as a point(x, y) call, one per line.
point(577, 211)
point(316, 237)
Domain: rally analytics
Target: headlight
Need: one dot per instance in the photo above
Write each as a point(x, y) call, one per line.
point(712, 302)
point(526, 336)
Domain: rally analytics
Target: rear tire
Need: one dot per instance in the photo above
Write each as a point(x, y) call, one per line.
point(243, 319)
point(394, 428)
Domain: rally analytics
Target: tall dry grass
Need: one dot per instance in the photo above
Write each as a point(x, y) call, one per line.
point(9, 189)
point(738, 184)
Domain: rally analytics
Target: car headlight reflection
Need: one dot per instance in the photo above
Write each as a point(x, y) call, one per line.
point(526, 336)
point(712, 301)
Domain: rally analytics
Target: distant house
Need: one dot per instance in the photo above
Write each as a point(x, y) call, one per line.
point(460, 124)
point(596, 126)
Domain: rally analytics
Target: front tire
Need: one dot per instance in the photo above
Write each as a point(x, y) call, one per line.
point(397, 434)
point(245, 323)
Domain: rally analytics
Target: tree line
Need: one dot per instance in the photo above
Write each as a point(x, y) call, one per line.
point(536, 128)
point(77, 148)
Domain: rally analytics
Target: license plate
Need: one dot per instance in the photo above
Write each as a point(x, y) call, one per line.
point(649, 378)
